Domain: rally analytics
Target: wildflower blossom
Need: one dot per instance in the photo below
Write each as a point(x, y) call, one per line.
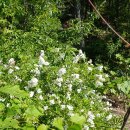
point(42, 61)
point(62, 55)
point(31, 94)
point(42, 53)
point(2, 99)
point(70, 107)
point(86, 127)
point(11, 62)
point(41, 97)
point(61, 72)
point(39, 90)
point(59, 81)
point(8, 104)
point(36, 71)
point(100, 68)
point(10, 71)
point(70, 87)
point(68, 96)
point(109, 117)
point(17, 68)
point(98, 83)
point(90, 69)
point(45, 108)
point(62, 107)
point(52, 101)
point(79, 90)
point(33, 82)
point(90, 61)
point(75, 76)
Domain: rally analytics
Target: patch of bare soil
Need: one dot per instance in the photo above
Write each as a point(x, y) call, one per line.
point(119, 108)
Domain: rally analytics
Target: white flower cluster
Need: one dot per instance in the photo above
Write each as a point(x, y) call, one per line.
point(99, 80)
point(91, 118)
point(33, 82)
point(11, 66)
point(59, 80)
point(81, 55)
point(42, 60)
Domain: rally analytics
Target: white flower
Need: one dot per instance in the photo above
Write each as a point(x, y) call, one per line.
point(39, 90)
point(33, 82)
point(45, 108)
point(62, 71)
point(98, 115)
point(70, 114)
point(41, 97)
point(62, 55)
point(10, 71)
point(108, 103)
point(90, 68)
point(70, 107)
point(90, 61)
point(79, 90)
point(8, 104)
point(91, 115)
point(70, 87)
point(26, 88)
point(82, 110)
point(76, 59)
point(68, 96)
point(90, 121)
point(18, 79)
point(100, 77)
point(59, 81)
point(36, 71)
point(75, 76)
point(17, 68)
point(98, 83)
point(86, 127)
point(109, 117)
point(42, 61)
point(11, 62)
point(2, 99)
point(100, 68)
point(46, 63)
point(42, 53)
point(106, 75)
point(62, 107)
point(52, 101)
point(81, 54)
point(31, 94)
point(92, 102)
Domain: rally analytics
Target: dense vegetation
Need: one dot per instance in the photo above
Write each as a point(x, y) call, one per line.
point(61, 67)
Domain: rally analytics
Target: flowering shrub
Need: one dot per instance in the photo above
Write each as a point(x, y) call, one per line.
point(57, 90)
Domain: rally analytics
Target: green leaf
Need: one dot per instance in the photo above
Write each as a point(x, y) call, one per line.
point(14, 91)
point(78, 119)
point(75, 127)
point(58, 123)
point(9, 122)
point(124, 87)
point(33, 111)
point(42, 127)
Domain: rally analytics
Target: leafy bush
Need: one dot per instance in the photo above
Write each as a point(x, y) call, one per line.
point(58, 89)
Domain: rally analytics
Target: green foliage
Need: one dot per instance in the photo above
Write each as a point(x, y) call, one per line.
point(14, 91)
point(78, 119)
point(42, 127)
point(57, 88)
point(58, 123)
